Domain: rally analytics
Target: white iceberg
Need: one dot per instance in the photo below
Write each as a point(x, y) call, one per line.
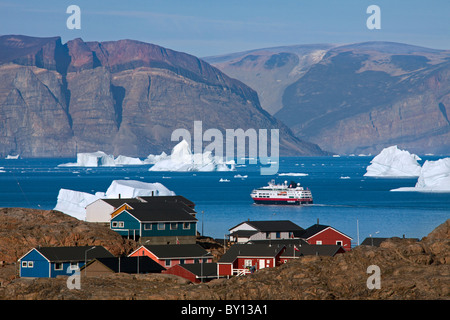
point(133, 189)
point(434, 177)
point(92, 159)
point(126, 161)
point(182, 159)
point(152, 158)
point(293, 174)
point(74, 203)
point(393, 162)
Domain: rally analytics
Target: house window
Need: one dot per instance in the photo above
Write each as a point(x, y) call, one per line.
point(267, 235)
point(74, 266)
point(181, 261)
point(186, 225)
point(167, 263)
point(339, 243)
point(278, 235)
point(147, 226)
point(118, 224)
point(24, 264)
point(319, 242)
point(174, 226)
point(161, 226)
point(247, 263)
point(30, 264)
point(58, 266)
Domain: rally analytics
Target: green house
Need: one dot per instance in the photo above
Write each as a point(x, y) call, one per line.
point(156, 223)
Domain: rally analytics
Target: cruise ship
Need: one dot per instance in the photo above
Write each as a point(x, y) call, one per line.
point(285, 193)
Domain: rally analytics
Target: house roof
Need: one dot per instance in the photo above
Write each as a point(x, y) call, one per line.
point(129, 264)
point(178, 198)
point(209, 269)
point(317, 228)
point(314, 250)
point(243, 233)
point(250, 250)
point(272, 225)
point(183, 251)
point(62, 254)
point(161, 211)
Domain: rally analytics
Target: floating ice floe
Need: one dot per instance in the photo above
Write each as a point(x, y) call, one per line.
point(293, 174)
point(434, 177)
point(74, 203)
point(393, 162)
point(101, 159)
point(182, 159)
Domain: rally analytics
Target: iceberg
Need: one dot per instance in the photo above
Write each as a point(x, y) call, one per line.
point(393, 162)
point(182, 159)
point(74, 203)
point(127, 161)
point(434, 177)
point(92, 159)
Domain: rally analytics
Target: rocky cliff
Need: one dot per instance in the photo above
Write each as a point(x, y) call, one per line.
point(409, 269)
point(122, 97)
point(355, 98)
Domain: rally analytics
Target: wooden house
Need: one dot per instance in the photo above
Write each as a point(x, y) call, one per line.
point(195, 272)
point(131, 265)
point(156, 223)
point(245, 258)
point(296, 248)
point(321, 234)
point(173, 254)
point(49, 262)
point(100, 210)
point(262, 230)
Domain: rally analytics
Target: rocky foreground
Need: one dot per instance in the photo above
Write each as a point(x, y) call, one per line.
point(409, 269)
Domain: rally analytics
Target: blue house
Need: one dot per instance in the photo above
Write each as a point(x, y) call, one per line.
point(49, 262)
point(156, 223)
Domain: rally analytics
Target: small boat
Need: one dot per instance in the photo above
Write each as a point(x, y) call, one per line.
point(292, 193)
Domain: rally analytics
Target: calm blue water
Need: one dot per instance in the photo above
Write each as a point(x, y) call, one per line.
point(341, 203)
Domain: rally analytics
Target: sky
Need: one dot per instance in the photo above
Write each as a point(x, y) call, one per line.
point(210, 27)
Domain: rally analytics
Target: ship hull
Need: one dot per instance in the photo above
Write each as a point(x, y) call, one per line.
point(282, 201)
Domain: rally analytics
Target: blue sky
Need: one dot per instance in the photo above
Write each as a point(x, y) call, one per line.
point(210, 27)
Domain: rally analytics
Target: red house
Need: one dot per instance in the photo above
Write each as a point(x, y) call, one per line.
point(241, 259)
point(320, 234)
point(169, 255)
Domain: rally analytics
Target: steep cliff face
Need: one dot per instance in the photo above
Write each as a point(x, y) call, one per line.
point(355, 98)
point(122, 97)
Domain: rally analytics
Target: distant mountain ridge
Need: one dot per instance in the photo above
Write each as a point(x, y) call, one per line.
point(353, 98)
point(121, 97)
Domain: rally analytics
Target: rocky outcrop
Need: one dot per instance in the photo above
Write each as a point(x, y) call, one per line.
point(122, 97)
point(409, 269)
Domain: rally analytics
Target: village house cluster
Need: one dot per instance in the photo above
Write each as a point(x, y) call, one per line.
point(166, 229)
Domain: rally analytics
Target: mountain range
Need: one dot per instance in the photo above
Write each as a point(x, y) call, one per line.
point(122, 97)
point(354, 98)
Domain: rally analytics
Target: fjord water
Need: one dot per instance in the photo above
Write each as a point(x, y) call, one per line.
point(343, 197)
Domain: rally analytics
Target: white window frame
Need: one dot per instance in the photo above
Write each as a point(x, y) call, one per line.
point(148, 226)
point(319, 242)
point(24, 264)
point(118, 224)
point(161, 226)
point(186, 225)
point(339, 242)
point(175, 226)
point(30, 264)
point(248, 263)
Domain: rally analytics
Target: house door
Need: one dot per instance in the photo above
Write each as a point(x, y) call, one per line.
point(262, 263)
